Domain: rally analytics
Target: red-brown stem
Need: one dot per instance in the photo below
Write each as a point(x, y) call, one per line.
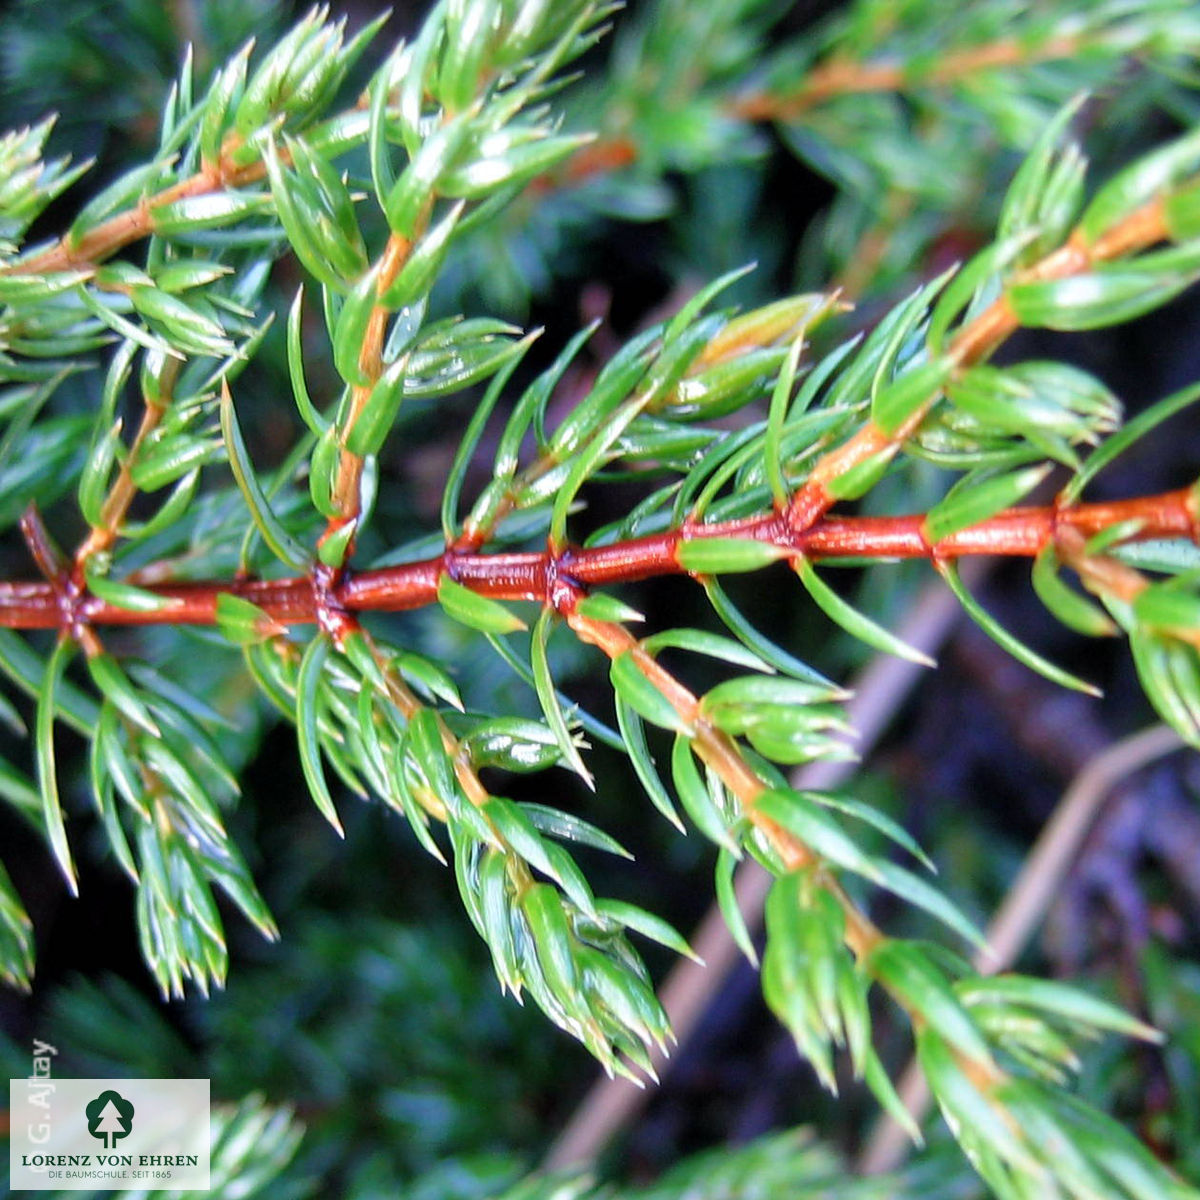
point(1018, 532)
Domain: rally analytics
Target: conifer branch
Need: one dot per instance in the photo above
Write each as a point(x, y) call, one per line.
point(455, 125)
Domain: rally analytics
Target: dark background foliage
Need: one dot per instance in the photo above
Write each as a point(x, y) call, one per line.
point(376, 1014)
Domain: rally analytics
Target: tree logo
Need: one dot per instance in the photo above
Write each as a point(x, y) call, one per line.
point(109, 1117)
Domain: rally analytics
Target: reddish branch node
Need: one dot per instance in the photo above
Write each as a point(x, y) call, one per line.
point(329, 615)
point(66, 588)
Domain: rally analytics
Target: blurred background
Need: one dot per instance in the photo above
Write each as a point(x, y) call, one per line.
point(376, 1016)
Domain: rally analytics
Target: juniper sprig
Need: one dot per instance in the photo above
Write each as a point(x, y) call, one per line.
point(128, 349)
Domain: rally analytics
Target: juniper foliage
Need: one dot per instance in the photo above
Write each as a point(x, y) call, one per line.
point(222, 565)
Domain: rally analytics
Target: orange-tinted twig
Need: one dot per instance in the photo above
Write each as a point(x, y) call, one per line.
point(841, 76)
point(370, 364)
point(600, 157)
